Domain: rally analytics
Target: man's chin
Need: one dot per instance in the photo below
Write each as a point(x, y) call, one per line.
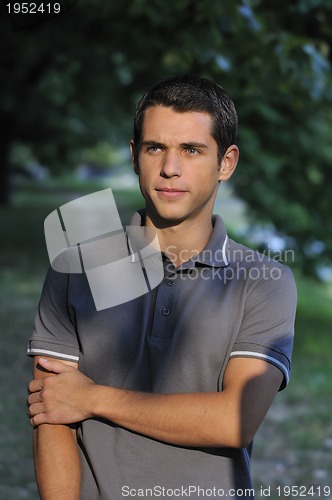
point(161, 219)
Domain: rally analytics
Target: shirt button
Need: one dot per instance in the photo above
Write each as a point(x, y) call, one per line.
point(165, 311)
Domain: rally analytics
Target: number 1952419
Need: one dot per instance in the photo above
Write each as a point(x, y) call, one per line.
point(33, 8)
point(303, 491)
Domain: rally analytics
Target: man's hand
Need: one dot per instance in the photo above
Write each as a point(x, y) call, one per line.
point(59, 399)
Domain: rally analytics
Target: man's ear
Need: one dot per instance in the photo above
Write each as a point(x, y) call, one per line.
point(229, 162)
point(133, 156)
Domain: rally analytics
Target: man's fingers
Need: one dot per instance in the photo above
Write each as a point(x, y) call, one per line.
point(35, 386)
point(52, 366)
point(35, 397)
point(35, 409)
point(36, 414)
point(38, 419)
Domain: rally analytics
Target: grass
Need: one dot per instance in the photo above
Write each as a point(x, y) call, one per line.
point(294, 444)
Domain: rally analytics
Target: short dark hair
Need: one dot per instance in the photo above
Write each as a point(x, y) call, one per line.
point(191, 93)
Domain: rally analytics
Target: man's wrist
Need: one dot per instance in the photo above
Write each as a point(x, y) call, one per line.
point(99, 401)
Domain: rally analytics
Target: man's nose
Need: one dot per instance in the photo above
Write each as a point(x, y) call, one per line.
point(171, 165)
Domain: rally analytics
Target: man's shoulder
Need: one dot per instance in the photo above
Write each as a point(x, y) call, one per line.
point(250, 265)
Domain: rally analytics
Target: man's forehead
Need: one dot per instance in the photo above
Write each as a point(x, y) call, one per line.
point(167, 120)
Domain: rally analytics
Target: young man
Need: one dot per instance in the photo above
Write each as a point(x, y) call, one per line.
point(162, 395)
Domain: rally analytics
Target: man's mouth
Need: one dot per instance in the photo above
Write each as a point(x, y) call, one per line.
point(170, 193)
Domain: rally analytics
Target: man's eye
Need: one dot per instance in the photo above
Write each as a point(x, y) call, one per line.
point(153, 149)
point(192, 151)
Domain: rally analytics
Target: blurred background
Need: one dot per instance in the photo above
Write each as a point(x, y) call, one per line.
point(68, 90)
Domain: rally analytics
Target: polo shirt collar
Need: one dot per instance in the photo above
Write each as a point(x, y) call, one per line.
point(215, 252)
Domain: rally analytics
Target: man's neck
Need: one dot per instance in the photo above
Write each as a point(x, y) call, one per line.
point(182, 241)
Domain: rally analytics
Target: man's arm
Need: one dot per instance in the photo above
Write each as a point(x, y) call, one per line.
point(57, 463)
point(229, 418)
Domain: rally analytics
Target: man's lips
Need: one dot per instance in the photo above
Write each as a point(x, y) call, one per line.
point(170, 192)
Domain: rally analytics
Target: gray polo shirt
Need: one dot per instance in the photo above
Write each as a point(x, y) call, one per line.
point(228, 301)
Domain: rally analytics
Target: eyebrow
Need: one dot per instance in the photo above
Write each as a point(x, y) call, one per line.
point(191, 144)
point(152, 143)
point(194, 144)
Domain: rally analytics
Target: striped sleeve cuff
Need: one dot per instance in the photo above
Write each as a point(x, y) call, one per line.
point(53, 350)
point(272, 356)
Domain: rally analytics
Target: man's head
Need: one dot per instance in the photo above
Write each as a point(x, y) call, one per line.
point(183, 147)
point(191, 93)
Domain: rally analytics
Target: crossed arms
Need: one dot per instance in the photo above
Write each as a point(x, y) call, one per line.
point(60, 396)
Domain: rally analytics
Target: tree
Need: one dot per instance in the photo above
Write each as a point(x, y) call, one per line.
point(75, 80)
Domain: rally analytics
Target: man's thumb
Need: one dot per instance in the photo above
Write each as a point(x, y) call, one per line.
point(52, 365)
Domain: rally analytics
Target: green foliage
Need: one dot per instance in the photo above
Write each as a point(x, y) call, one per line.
point(314, 315)
point(73, 82)
point(103, 153)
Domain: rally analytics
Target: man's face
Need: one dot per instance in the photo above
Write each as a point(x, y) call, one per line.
point(178, 165)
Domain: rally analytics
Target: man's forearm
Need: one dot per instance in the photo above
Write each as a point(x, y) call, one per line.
point(183, 419)
point(57, 462)
point(227, 419)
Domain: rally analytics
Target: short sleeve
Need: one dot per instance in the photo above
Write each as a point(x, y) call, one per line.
point(267, 329)
point(54, 333)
